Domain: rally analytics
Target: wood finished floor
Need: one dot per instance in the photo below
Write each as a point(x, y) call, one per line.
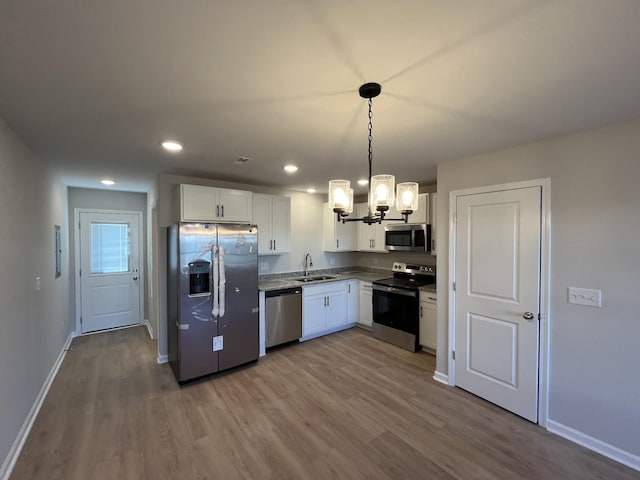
point(339, 407)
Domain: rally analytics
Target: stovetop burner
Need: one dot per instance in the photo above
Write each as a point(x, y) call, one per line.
point(409, 276)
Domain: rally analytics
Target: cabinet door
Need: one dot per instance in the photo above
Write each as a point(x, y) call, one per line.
point(377, 233)
point(352, 300)
point(313, 314)
point(419, 216)
point(364, 243)
point(365, 316)
point(336, 309)
point(428, 324)
point(281, 226)
point(338, 236)
point(198, 203)
point(235, 205)
point(262, 208)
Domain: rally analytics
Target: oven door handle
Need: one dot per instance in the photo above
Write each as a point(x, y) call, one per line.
point(399, 291)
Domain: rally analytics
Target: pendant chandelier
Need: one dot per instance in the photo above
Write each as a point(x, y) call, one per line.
point(382, 190)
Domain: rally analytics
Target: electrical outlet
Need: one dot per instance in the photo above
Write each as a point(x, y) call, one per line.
point(584, 296)
point(264, 266)
point(332, 261)
point(37, 284)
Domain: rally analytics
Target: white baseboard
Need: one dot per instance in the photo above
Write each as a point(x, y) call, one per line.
point(16, 448)
point(163, 358)
point(147, 324)
point(441, 377)
point(614, 453)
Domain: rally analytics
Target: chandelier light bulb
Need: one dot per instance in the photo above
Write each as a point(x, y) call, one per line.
point(407, 197)
point(338, 194)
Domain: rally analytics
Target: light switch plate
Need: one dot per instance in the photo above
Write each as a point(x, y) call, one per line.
point(584, 296)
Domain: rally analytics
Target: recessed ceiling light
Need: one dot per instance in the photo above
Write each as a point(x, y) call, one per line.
point(290, 168)
point(171, 145)
point(363, 181)
point(311, 190)
point(107, 182)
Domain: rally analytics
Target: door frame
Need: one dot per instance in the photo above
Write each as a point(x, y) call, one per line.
point(76, 232)
point(545, 281)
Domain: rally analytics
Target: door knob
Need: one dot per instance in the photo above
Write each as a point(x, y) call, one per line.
point(135, 277)
point(527, 316)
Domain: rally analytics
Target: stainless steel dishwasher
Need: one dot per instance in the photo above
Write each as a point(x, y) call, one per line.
point(283, 316)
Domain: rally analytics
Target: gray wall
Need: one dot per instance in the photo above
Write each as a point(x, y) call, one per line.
point(595, 196)
point(35, 324)
point(110, 200)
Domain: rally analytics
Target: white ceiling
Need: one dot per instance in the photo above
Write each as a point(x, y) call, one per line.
point(93, 87)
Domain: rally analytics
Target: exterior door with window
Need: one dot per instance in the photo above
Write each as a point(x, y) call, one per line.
point(109, 270)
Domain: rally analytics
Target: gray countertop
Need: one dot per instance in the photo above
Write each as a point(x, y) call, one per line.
point(288, 282)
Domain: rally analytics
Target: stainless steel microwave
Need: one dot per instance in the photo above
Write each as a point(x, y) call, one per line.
point(407, 237)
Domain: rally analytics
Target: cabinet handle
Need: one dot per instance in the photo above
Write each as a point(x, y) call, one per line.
point(328, 301)
point(270, 244)
point(274, 244)
point(222, 210)
point(325, 301)
point(217, 210)
point(373, 243)
point(337, 243)
point(420, 311)
point(348, 288)
point(433, 245)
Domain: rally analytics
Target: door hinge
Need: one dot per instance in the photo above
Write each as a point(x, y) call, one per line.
point(453, 354)
point(539, 317)
point(453, 285)
point(80, 272)
point(80, 320)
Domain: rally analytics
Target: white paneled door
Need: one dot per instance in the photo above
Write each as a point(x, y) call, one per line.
point(497, 274)
point(110, 278)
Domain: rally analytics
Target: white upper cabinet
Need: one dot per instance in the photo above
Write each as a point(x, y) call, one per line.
point(419, 216)
point(338, 236)
point(370, 237)
point(210, 204)
point(272, 214)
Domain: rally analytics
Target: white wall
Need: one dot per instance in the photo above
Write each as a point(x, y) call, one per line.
point(35, 324)
point(595, 198)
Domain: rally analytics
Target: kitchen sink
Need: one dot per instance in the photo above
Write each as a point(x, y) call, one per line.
point(316, 278)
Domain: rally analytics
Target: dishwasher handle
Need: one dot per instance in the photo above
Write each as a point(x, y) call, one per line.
point(282, 292)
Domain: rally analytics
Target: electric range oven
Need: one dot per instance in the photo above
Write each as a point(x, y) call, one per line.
point(396, 304)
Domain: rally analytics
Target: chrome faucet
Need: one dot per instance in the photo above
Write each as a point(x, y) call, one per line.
point(308, 262)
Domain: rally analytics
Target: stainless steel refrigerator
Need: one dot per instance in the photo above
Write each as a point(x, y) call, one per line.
point(212, 287)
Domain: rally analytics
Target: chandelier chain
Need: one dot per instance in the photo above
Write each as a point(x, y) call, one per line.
point(370, 137)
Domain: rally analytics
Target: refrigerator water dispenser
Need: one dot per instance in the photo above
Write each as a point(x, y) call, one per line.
point(199, 284)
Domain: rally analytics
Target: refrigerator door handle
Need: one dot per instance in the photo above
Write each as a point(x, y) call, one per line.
point(214, 253)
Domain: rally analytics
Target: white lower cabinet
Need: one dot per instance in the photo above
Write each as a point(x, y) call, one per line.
point(324, 309)
point(428, 320)
point(352, 301)
point(365, 313)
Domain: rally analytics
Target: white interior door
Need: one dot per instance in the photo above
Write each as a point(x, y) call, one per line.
point(109, 270)
point(497, 274)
